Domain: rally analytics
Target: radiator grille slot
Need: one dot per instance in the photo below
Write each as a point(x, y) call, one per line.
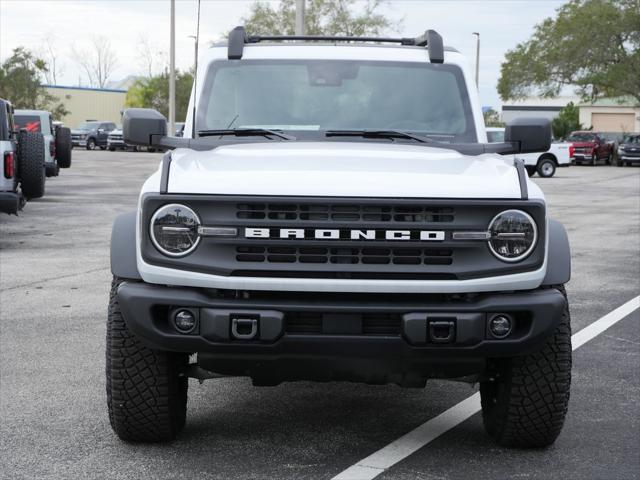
point(345, 213)
point(346, 255)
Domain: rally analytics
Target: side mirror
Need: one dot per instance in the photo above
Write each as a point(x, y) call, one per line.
point(101, 130)
point(531, 134)
point(143, 126)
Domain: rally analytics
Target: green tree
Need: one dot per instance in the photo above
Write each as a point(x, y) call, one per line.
point(153, 92)
point(567, 121)
point(492, 118)
point(322, 17)
point(591, 44)
point(20, 83)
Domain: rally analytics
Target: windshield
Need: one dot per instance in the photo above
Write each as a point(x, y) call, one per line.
point(88, 125)
point(631, 139)
point(31, 123)
point(321, 95)
point(582, 137)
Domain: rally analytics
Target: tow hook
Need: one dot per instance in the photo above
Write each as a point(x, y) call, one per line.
point(442, 331)
point(244, 328)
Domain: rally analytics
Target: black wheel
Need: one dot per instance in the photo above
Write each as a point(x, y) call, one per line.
point(91, 144)
point(31, 164)
point(103, 148)
point(146, 389)
point(619, 163)
point(546, 167)
point(525, 402)
point(63, 147)
point(531, 170)
point(608, 159)
point(151, 149)
point(112, 149)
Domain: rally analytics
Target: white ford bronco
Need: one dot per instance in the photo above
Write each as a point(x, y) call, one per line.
point(335, 213)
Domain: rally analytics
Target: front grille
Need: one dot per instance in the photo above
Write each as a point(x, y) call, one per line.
point(346, 255)
point(344, 213)
point(314, 323)
point(115, 137)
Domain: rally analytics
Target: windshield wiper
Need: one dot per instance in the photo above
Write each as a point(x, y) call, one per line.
point(378, 134)
point(245, 132)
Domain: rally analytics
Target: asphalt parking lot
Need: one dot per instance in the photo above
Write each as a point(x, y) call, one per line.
point(54, 284)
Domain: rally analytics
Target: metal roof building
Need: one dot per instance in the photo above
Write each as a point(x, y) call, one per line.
point(86, 103)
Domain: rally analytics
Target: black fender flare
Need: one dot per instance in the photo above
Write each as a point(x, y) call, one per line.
point(123, 247)
point(558, 255)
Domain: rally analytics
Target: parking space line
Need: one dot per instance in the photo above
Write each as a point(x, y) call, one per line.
point(378, 462)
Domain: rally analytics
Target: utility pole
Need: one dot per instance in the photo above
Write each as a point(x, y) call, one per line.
point(172, 72)
point(477, 59)
point(195, 50)
point(300, 17)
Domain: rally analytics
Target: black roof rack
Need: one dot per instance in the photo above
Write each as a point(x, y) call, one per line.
point(430, 39)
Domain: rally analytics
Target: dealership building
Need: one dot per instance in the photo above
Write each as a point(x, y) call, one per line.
point(86, 103)
point(605, 114)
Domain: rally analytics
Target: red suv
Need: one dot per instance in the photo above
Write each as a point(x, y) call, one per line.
point(591, 147)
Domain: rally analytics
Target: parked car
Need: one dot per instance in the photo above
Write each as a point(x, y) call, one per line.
point(326, 237)
point(590, 147)
point(544, 164)
point(22, 174)
point(57, 140)
point(629, 150)
point(92, 134)
point(115, 142)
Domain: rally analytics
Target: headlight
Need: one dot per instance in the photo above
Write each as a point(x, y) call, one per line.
point(513, 235)
point(174, 230)
point(83, 137)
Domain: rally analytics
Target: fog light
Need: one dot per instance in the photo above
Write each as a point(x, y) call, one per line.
point(184, 320)
point(500, 326)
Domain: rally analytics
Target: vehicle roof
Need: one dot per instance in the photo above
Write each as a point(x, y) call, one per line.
point(31, 112)
point(332, 51)
point(330, 43)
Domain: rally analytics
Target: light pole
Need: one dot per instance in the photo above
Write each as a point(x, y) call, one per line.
point(300, 17)
point(477, 59)
point(195, 51)
point(172, 71)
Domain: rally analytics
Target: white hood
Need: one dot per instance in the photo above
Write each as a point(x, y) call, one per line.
point(342, 169)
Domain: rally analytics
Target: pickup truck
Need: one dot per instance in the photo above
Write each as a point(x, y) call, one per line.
point(336, 214)
point(590, 147)
point(543, 163)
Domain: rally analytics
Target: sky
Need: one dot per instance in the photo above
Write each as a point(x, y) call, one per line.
point(502, 24)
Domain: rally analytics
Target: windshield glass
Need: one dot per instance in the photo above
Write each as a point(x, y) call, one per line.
point(631, 139)
point(582, 137)
point(31, 123)
point(88, 125)
point(320, 95)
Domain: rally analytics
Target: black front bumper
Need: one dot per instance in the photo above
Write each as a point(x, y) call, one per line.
point(371, 338)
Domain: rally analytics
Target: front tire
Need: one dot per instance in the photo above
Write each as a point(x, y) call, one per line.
point(91, 144)
point(525, 403)
point(546, 167)
point(146, 389)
